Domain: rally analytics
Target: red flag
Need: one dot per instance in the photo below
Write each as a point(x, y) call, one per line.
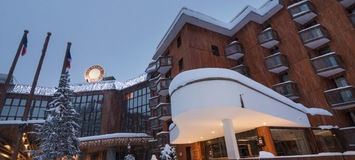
point(24, 45)
point(68, 60)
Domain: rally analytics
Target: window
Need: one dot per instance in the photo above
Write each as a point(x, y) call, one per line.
point(240, 61)
point(178, 41)
point(181, 64)
point(324, 50)
point(326, 141)
point(275, 50)
point(136, 111)
point(340, 82)
point(215, 50)
point(352, 117)
point(284, 77)
point(290, 141)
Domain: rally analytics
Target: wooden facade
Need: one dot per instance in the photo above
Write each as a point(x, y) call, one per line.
point(192, 48)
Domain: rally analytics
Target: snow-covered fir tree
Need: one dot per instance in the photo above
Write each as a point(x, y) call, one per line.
point(168, 153)
point(57, 135)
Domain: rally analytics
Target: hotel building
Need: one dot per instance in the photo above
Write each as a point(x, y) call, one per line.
point(303, 50)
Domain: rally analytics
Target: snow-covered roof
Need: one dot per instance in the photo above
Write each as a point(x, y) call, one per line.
point(84, 87)
point(247, 15)
point(114, 135)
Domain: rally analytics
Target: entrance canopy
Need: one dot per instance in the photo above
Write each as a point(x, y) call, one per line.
point(114, 139)
point(202, 98)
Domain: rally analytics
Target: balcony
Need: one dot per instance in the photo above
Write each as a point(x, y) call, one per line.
point(163, 86)
point(341, 98)
point(164, 64)
point(234, 50)
point(242, 69)
point(328, 65)
point(268, 38)
point(163, 138)
point(152, 67)
point(314, 36)
point(155, 123)
point(153, 83)
point(302, 12)
point(154, 101)
point(287, 89)
point(164, 111)
point(346, 3)
point(276, 63)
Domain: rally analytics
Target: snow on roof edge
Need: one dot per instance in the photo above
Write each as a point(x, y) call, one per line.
point(114, 135)
point(228, 27)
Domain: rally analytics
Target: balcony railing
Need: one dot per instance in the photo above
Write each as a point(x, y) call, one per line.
point(153, 83)
point(328, 64)
point(242, 69)
point(346, 3)
point(341, 98)
point(302, 12)
point(234, 50)
point(314, 36)
point(163, 86)
point(155, 123)
point(268, 38)
point(164, 111)
point(287, 89)
point(276, 63)
point(164, 64)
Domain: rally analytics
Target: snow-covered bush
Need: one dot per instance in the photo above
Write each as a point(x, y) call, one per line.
point(168, 153)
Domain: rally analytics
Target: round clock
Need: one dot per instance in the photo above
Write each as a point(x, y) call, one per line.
point(94, 73)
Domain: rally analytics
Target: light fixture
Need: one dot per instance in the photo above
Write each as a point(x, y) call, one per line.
point(212, 132)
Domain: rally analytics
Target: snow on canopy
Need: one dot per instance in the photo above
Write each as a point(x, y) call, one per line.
point(204, 73)
point(113, 135)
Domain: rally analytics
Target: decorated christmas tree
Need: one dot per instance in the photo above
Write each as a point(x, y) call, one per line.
point(57, 135)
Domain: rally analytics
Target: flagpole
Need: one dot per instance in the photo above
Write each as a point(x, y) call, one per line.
point(34, 83)
point(30, 97)
point(65, 62)
point(9, 76)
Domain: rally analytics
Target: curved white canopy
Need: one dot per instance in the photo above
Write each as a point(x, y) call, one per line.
point(202, 98)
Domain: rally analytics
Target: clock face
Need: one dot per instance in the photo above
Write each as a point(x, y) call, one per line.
point(94, 73)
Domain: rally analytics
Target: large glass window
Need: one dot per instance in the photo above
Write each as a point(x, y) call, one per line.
point(136, 111)
point(14, 109)
point(327, 141)
point(89, 107)
point(290, 141)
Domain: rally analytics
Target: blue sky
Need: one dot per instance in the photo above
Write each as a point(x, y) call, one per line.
point(119, 35)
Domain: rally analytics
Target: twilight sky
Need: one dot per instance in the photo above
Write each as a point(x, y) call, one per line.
point(119, 35)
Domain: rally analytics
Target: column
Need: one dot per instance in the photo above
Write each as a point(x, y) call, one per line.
point(231, 141)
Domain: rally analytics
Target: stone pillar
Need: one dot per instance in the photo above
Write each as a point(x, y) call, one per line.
point(111, 153)
point(231, 141)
